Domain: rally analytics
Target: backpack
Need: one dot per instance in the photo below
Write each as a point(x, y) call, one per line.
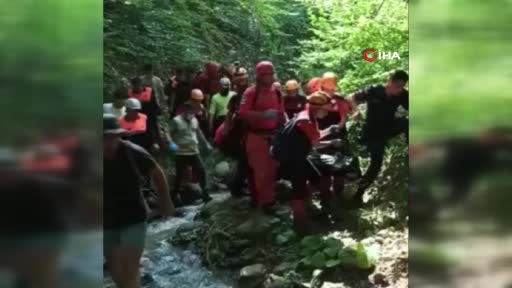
point(286, 143)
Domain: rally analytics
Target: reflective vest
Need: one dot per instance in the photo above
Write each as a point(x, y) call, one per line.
point(139, 125)
point(143, 96)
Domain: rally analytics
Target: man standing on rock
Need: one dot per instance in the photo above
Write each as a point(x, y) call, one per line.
point(381, 124)
point(186, 134)
point(126, 212)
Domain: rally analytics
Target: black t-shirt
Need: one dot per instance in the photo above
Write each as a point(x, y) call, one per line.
point(381, 109)
point(123, 200)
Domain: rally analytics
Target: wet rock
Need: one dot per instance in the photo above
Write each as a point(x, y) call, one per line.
point(222, 169)
point(212, 207)
point(252, 276)
point(250, 255)
point(256, 225)
point(274, 281)
point(190, 193)
point(379, 279)
point(283, 268)
point(146, 279)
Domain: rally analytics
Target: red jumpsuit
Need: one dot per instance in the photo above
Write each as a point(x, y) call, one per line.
point(308, 127)
point(263, 169)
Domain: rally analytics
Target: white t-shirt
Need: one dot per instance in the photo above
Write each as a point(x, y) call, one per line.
point(109, 108)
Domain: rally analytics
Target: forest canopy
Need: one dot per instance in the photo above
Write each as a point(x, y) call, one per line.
point(304, 38)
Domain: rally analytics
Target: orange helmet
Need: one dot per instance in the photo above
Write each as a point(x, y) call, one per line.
point(319, 99)
point(314, 85)
point(329, 81)
point(291, 85)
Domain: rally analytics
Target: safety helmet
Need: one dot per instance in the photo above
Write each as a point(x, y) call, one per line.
point(329, 81)
point(133, 104)
point(241, 73)
point(197, 94)
point(264, 68)
point(225, 82)
point(314, 85)
point(319, 99)
point(291, 85)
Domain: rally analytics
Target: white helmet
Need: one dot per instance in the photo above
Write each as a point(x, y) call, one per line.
point(133, 104)
point(225, 82)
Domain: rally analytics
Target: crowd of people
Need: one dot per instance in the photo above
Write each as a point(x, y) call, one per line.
point(291, 136)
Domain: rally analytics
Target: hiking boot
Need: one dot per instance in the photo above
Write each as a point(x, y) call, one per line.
point(207, 198)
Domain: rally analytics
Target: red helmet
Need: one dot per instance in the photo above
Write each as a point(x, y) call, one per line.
point(314, 85)
point(264, 67)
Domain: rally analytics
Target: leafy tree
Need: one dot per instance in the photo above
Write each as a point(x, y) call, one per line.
point(342, 29)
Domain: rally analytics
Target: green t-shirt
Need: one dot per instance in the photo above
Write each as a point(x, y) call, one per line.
point(219, 105)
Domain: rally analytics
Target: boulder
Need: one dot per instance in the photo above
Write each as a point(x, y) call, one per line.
point(283, 268)
point(222, 170)
point(252, 276)
point(274, 281)
point(258, 224)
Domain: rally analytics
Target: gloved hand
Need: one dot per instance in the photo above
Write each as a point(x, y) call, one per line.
point(270, 114)
point(173, 147)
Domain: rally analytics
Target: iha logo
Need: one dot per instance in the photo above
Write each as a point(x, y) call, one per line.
point(370, 55)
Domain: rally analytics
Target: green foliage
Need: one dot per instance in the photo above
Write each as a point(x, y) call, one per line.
point(188, 33)
point(327, 253)
point(51, 69)
point(343, 29)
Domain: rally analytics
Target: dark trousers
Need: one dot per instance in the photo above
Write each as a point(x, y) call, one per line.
point(217, 121)
point(240, 177)
point(198, 168)
point(376, 145)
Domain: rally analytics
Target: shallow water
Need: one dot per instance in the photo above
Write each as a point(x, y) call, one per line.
point(171, 266)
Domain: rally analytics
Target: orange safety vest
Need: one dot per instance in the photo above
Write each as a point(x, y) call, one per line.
point(53, 163)
point(143, 96)
point(139, 125)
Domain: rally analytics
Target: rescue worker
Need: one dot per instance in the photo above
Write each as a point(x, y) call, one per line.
point(150, 80)
point(209, 81)
point(219, 105)
point(186, 134)
point(125, 210)
point(262, 111)
point(293, 101)
point(135, 123)
point(233, 133)
point(117, 107)
point(313, 85)
point(336, 116)
point(150, 106)
point(197, 99)
point(294, 143)
point(178, 90)
point(381, 124)
point(277, 85)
